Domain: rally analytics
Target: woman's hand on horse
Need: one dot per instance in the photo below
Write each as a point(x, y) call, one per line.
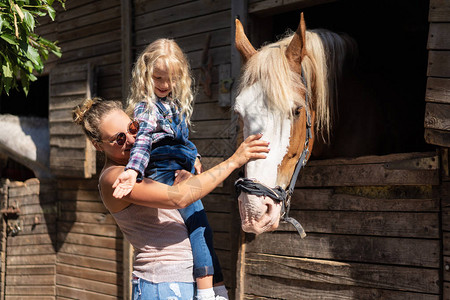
point(252, 148)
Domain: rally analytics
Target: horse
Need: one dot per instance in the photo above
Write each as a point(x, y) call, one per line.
point(287, 92)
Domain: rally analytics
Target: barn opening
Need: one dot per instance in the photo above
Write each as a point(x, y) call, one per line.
point(381, 98)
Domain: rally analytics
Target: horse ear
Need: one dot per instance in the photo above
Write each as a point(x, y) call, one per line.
point(243, 45)
point(296, 49)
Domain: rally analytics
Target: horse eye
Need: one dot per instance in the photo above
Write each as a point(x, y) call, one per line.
point(297, 111)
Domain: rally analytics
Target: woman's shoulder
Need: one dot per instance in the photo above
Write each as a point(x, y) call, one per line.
point(106, 179)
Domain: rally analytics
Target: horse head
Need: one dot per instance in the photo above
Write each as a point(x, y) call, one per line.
point(284, 94)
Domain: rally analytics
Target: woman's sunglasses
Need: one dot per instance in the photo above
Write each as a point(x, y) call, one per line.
point(121, 137)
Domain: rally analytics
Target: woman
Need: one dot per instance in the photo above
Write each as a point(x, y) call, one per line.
point(163, 267)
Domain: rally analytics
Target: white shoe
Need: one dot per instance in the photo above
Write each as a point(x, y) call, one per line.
point(220, 298)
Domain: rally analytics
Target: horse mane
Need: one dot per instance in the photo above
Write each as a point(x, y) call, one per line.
point(326, 53)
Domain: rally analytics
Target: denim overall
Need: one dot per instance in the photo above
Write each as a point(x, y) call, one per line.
point(167, 156)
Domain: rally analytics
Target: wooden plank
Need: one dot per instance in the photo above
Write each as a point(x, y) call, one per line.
point(31, 270)
point(89, 52)
point(218, 203)
point(210, 111)
point(437, 137)
point(439, 11)
point(393, 224)
point(438, 63)
point(88, 262)
point(212, 129)
point(34, 297)
point(437, 116)
point(36, 290)
point(380, 199)
point(88, 240)
point(78, 154)
point(398, 251)
point(348, 274)
point(220, 37)
point(143, 7)
point(178, 13)
point(411, 160)
point(74, 141)
point(26, 240)
point(30, 280)
point(439, 36)
point(89, 274)
point(31, 250)
point(86, 217)
point(184, 28)
point(90, 21)
point(85, 228)
point(104, 21)
point(85, 10)
point(258, 287)
point(75, 293)
point(88, 285)
point(222, 241)
point(438, 90)
point(446, 265)
point(214, 147)
point(47, 259)
point(94, 252)
point(220, 222)
point(100, 38)
point(357, 175)
point(84, 206)
point(446, 243)
point(79, 194)
point(81, 186)
point(68, 89)
point(270, 7)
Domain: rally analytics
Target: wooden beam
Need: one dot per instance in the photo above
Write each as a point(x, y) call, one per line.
point(126, 24)
point(238, 10)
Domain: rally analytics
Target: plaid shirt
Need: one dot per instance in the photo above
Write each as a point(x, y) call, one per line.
point(151, 130)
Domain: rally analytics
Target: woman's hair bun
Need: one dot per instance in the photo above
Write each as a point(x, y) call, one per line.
point(79, 111)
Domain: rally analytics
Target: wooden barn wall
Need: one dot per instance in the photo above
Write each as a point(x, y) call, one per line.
point(88, 243)
point(29, 240)
point(373, 232)
point(437, 113)
point(190, 23)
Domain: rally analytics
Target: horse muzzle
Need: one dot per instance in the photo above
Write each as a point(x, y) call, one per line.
point(258, 213)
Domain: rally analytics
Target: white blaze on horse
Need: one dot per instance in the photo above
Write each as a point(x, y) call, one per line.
point(281, 85)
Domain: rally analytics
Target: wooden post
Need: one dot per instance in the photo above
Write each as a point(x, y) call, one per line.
point(238, 10)
point(3, 204)
point(126, 26)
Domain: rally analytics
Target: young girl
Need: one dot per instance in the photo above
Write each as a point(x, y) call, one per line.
point(161, 98)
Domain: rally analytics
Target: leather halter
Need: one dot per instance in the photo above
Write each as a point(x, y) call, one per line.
point(278, 194)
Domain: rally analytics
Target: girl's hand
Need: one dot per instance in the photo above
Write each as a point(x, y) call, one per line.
point(198, 166)
point(124, 183)
point(251, 148)
point(181, 175)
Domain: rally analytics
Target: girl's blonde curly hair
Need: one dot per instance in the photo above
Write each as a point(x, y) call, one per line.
point(168, 52)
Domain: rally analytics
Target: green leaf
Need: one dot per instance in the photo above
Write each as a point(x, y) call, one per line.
point(25, 82)
point(51, 12)
point(9, 38)
point(1, 24)
point(7, 70)
point(33, 55)
point(29, 20)
point(7, 84)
